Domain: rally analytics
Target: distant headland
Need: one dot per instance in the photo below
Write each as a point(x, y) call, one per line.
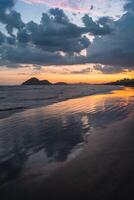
point(35, 81)
point(123, 82)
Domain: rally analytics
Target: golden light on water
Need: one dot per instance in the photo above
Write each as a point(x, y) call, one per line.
point(92, 104)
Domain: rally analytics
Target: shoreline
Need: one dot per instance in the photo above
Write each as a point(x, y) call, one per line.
point(98, 172)
point(42, 102)
point(101, 171)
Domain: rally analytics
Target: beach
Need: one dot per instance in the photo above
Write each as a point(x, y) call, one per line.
point(66, 100)
point(104, 170)
point(75, 149)
point(18, 98)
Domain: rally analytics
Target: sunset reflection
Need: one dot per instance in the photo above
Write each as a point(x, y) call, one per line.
point(58, 132)
point(93, 103)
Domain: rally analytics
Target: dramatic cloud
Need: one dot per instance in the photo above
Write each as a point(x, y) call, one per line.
point(11, 18)
point(116, 49)
point(2, 38)
point(55, 33)
point(32, 55)
point(108, 69)
point(100, 27)
point(129, 6)
point(58, 41)
point(6, 4)
point(55, 40)
point(104, 69)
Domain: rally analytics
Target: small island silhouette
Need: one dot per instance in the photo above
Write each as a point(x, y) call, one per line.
point(35, 81)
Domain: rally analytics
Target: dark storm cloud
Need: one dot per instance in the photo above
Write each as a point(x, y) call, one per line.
point(104, 69)
point(13, 20)
point(57, 33)
point(129, 5)
point(108, 69)
point(10, 40)
point(33, 55)
point(2, 38)
point(43, 43)
point(6, 4)
point(100, 27)
point(116, 49)
point(9, 17)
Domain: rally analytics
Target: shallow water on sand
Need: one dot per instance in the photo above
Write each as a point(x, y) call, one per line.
point(37, 141)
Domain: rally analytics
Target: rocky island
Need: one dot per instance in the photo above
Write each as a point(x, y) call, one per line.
point(35, 81)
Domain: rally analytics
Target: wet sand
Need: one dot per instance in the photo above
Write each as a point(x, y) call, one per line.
point(104, 170)
point(15, 99)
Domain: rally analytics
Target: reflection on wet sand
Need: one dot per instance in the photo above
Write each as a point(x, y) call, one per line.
point(51, 136)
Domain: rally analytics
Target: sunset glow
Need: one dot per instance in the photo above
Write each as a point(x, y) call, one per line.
point(69, 41)
point(58, 74)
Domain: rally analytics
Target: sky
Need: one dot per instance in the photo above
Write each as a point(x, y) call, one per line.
point(74, 41)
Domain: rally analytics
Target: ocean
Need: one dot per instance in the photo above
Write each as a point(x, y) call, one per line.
point(17, 98)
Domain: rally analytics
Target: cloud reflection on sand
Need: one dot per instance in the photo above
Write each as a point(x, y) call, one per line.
point(57, 132)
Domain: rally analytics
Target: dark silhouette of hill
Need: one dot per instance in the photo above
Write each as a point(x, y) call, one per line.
point(123, 82)
point(35, 81)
